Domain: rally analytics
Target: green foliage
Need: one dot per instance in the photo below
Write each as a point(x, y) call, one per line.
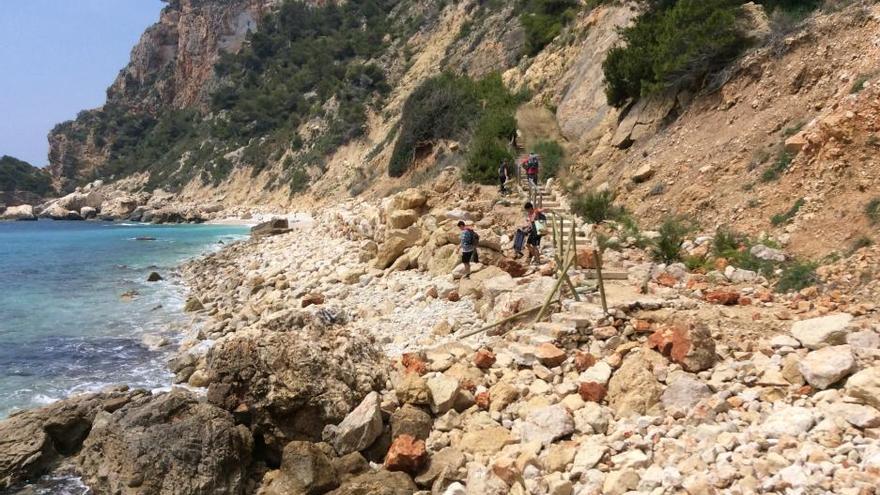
point(551, 154)
point(674, 44)
point(797, 275)
point(596, 207)
point(860, 242)
point(783, 218)
point(736, 249)
point(667, 247)
point(778, 167)
point(727, 241)
point(793, 129)
point(543, 20)
point(456, 107)
point(19, 175)
point(872, 211)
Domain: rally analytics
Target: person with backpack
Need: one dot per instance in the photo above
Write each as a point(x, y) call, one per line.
point(532, 165)
point(537, 228)
point(468, 241)
point(502, 176)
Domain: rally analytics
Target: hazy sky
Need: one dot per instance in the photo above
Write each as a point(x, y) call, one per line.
point(57, 57)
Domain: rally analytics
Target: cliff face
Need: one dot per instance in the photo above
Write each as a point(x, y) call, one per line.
point(171, 67)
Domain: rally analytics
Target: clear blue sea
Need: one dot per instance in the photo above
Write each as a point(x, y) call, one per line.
point(64, 327)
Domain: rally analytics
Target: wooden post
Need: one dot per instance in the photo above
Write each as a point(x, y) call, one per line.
point(601, 282)
point(556, 287)
point(505, 320)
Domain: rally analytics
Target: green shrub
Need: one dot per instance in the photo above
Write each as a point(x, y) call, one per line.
point(674, 44)
point(783, 218)
point(776, 169)
point(797, 275)
point(19, 175)
point(543, 20)
point(596, 207)
point(456, 107)
point(793, 129)
point(872, 211)
point(552, 154)
point(860, 242)
point(667, 247)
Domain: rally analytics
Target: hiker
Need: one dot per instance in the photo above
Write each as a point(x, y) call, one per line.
point(537, 228)
point(468, 247)
point(532, 164)
point(502, 176)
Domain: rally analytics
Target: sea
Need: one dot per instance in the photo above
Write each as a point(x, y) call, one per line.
point(75, 304)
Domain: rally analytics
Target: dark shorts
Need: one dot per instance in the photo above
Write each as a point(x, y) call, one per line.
point(467, 257)
point(533, 178)
point(534, 239)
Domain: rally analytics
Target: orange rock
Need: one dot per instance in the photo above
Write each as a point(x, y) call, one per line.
point(432, 293)
point(505, 469)
point(482, 400)
point(583, 361)
point(725, 297)
point(453, 296)
point(666, 280)
point(406, 454)
point(484, 358)
point(721, 264)
point(313, 298)
point(413, 363)
point(513, 268)
point(643, 326)
point(548, 269)
point(745, 301)
point(688, 343)
point(586, 258)
point(592, 391)
point(549, 355)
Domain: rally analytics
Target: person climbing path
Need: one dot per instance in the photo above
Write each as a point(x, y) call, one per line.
point(468, 240)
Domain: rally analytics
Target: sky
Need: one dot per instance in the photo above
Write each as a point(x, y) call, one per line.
point(58, 57)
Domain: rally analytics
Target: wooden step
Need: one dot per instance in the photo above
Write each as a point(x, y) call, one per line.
point(579, 321)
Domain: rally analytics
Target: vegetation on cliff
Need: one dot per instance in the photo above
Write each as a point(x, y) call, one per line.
point(18, 175)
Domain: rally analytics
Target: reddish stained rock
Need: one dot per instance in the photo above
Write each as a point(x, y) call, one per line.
point(725, 297)
point(592, 391)
point(605, 332)
point(643, 326)
point(482, 400)
point(513, 268)
point(413, 363)
point(484, 358)
point(549, 355)
point(313, 298)
point(721, 264)
point(583, 361)
point(667, 280)
point(453, 296)
point(745, 301)
point(686, 343)
point(586, 258)
point(406, 454)
point(432, 293)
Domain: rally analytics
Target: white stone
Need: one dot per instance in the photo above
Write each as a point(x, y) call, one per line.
point(599, 373)
point(546, 424)
point(631, 459)
point(684, 392)
point(827, 366)
point(865, 385)
point(589, 454)
point(766, 253)
point(823, 331)
point(791, 421)
point(360, 428)
point(784, 341)
point(591, 418)
point(857, 414)
point(444, 390)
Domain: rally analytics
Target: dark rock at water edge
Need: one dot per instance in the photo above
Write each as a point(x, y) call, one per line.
point(272, 227)
point(154, 277)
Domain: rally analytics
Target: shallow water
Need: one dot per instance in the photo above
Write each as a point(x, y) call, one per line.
point(65, 328)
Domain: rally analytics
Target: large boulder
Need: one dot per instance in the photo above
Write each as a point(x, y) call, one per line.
point(359, 429)
point(865, 385)
point(687, 343)
point(23, 212)
point(827, 366)
point(305, 469)
point(633, 389)
point(823, 331)
point(377, 483)
point(169, 443)
point(291, 384)
point(55, 212)
point(274, 226)
point(31, 442)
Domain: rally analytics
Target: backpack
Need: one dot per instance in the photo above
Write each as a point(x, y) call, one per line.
point(540, 224)
point(469, 238)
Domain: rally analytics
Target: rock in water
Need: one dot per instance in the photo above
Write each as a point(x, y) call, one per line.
point(193, 304)
point(169, 443)
point(154, 277)
point(32, 441)
point(360, 428)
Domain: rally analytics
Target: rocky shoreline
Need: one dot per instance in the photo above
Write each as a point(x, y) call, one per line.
point(332, 362)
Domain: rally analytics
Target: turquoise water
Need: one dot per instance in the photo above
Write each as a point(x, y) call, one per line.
point(64, 327)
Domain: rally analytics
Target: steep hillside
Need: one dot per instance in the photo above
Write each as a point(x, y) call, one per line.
point(21, 182)
point(312, 106)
